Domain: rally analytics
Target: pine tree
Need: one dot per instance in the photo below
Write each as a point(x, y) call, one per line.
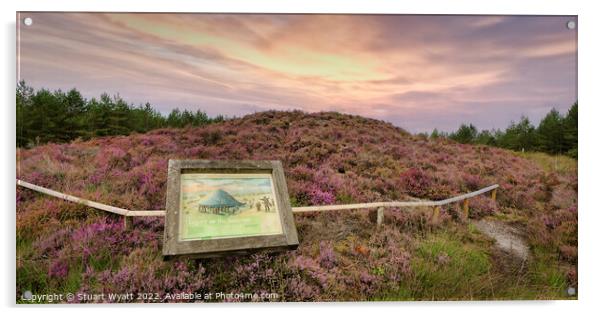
point(174, 119)
point(435, 134)
point(570, 131)
point(519, 136)
point(24, 113)
point(485, 137)
point(75, 106)
point(466, 134)
point(550, 133)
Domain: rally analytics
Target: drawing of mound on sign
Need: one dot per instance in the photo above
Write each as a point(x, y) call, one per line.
point(220, 202)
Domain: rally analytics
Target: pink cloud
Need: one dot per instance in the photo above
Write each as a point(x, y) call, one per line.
point(376, 66)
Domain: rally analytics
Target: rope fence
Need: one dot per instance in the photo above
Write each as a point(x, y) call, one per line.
point(380, 206)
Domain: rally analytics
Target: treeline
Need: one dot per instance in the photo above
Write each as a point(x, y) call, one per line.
point(55, 116)
point(555, 134)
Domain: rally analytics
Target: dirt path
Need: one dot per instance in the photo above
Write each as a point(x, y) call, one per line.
point(509, 239)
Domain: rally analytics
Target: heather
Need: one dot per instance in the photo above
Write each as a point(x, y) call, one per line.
point(328, 158)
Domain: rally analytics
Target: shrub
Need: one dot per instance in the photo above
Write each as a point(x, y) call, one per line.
point(328, 158)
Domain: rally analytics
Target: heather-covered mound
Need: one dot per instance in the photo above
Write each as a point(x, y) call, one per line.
point(328, 158)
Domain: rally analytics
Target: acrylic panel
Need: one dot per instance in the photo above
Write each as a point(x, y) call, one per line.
point(418, 157)
point(226, 205)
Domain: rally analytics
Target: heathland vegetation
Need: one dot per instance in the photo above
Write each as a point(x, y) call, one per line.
point(328, 158)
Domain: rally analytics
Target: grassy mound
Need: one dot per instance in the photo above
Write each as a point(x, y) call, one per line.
point(328, 158)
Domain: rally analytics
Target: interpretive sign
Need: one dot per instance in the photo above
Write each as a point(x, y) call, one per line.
point(220, 207)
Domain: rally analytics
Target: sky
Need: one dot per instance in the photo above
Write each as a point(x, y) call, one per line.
point(417, 72)
point(238, 184)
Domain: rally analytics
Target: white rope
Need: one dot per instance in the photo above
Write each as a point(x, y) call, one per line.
point(303, 209)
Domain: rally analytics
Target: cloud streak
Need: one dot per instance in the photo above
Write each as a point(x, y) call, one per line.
point(419, 72)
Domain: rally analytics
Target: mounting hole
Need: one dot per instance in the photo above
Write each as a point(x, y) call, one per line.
point(28, 21)
point(571, 291)
point(571, 25)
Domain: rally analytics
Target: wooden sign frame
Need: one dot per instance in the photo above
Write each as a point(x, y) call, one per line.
point(173, 245)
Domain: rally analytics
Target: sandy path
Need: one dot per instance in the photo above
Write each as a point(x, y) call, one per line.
point(507, 238)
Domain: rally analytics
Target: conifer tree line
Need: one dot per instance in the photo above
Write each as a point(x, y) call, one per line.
point(45, 116)
point(555, 134)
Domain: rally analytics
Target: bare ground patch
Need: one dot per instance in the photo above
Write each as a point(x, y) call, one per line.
point(507, 238)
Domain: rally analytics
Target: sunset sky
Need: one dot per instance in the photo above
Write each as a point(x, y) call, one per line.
point(241, 184)
point(417, 72)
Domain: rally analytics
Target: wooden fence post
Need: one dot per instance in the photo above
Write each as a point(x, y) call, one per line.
point(465, 209)
point(128, 222)
point(493, 194)
point(436, 211)
point(380, 216)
